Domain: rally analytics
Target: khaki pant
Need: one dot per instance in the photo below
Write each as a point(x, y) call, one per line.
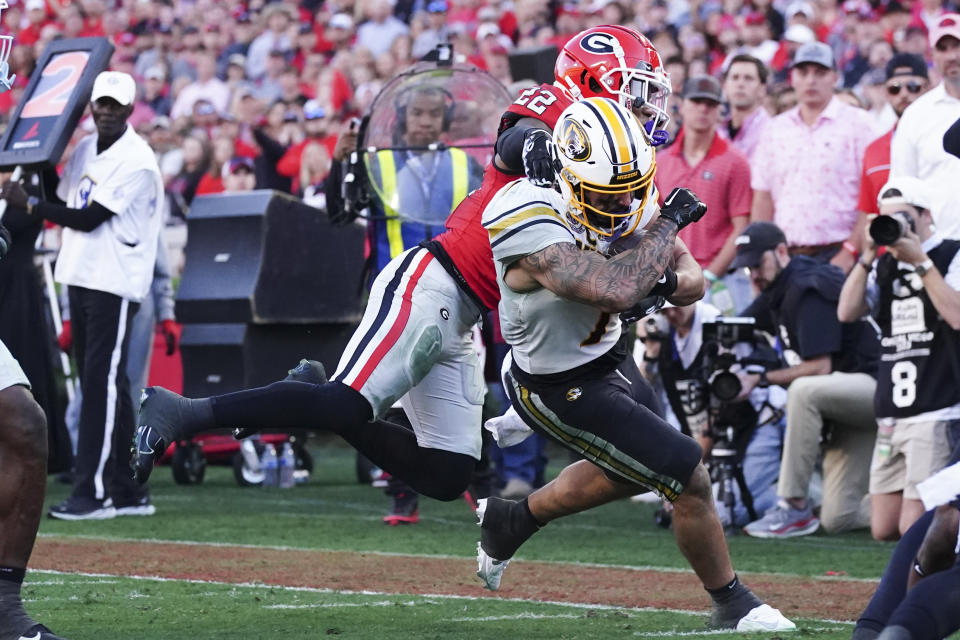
point(845, 401)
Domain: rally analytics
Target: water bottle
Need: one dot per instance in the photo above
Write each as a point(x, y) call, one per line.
point(271, 466)
point(288, 463)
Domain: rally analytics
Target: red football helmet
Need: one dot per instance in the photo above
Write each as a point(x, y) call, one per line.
point(615, 62)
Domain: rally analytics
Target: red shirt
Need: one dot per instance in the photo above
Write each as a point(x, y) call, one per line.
point(465, 240)
point(721, 180)
point(209, 184)
point(876, 170)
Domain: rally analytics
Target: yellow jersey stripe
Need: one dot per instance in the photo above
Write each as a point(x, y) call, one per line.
point(505, 224)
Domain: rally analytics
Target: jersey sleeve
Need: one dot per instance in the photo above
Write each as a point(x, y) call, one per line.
point(544, 103)
point(523, 230)
point(125, 188)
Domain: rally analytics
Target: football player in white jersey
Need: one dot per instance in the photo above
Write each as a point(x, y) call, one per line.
point(23, 475)
point(572, 378)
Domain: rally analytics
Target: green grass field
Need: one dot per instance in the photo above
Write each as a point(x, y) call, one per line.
point(334, 512)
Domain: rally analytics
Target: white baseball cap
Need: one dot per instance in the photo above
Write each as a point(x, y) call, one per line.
point(114, 84)
point(904, 190)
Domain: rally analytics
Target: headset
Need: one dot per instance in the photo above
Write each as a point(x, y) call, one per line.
point(404, 97)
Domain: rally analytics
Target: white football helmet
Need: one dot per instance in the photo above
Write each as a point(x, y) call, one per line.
point(607, 168)
point(6, 46)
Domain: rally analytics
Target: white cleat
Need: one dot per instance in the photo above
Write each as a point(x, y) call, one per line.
point(489, 570)
point(764, 618)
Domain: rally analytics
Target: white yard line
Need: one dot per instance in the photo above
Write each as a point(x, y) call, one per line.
point(390, 554)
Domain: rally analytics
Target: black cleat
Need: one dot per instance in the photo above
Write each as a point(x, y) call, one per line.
point(158, 422)
point(309, 371)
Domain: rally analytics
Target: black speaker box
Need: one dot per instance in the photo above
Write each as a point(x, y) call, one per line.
point(265, 257)
point(220, 358)
point(536, 63)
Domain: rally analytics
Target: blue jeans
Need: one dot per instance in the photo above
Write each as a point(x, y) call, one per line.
point(761, 467)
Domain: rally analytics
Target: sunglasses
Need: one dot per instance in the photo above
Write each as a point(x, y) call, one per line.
point(912, 87)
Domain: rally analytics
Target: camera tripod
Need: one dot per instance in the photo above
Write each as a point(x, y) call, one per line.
point(725, 461)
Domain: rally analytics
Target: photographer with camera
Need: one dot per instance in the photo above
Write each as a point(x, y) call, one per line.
point(689, 352)
point(913, 293)
point(830, 383)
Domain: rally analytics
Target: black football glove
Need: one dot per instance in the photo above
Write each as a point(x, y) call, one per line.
point(683, 207)
point(650, 304)
point(5, 241)
point(538, 157)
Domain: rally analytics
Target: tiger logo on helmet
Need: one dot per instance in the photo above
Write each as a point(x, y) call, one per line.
point(607, 168)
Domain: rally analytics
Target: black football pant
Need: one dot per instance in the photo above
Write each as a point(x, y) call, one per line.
point(101, 336)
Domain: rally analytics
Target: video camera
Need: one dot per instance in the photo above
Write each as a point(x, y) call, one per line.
point(728, 342)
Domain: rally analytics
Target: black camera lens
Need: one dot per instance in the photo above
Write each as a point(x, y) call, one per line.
point(885, 230)
point(726, 386)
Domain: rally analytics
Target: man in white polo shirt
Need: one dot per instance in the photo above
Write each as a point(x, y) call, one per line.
point(917, 148)
point(109, 201)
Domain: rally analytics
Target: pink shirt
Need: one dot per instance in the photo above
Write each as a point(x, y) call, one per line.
point(813, 173)
point(721, 180)
point(749, 134)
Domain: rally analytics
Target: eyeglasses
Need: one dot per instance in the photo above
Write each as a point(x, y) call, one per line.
point(912, 87)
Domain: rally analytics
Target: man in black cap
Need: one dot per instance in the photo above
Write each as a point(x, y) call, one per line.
point(906, 80)
point(829, 380)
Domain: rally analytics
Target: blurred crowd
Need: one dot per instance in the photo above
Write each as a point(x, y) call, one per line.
point(276, 82)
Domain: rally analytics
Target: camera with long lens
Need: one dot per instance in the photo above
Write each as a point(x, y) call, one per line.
point(887, 229)
point(729, 345)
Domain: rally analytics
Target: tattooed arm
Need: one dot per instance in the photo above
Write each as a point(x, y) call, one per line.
point(690, 282)
point(612, 285)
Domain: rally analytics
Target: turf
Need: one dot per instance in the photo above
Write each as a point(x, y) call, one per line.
point(94, 608)
point(334, 512)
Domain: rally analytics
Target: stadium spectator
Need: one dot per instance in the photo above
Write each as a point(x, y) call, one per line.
point(315, 130)
point(701, 160)
point(437, 30)
point(154, 91)
point(277, 18)
point(805, 172)
point(243, 34)
point(913, 292)
point(207, 87)
point(36, 21)
point(906, 80)
point(195, 158)
point(238, 175)
point(379, 28)
point(279, 130)
point(829, 380)
point(314, 168)
point(745, 86)
point(222, 150)
point(916, 149)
